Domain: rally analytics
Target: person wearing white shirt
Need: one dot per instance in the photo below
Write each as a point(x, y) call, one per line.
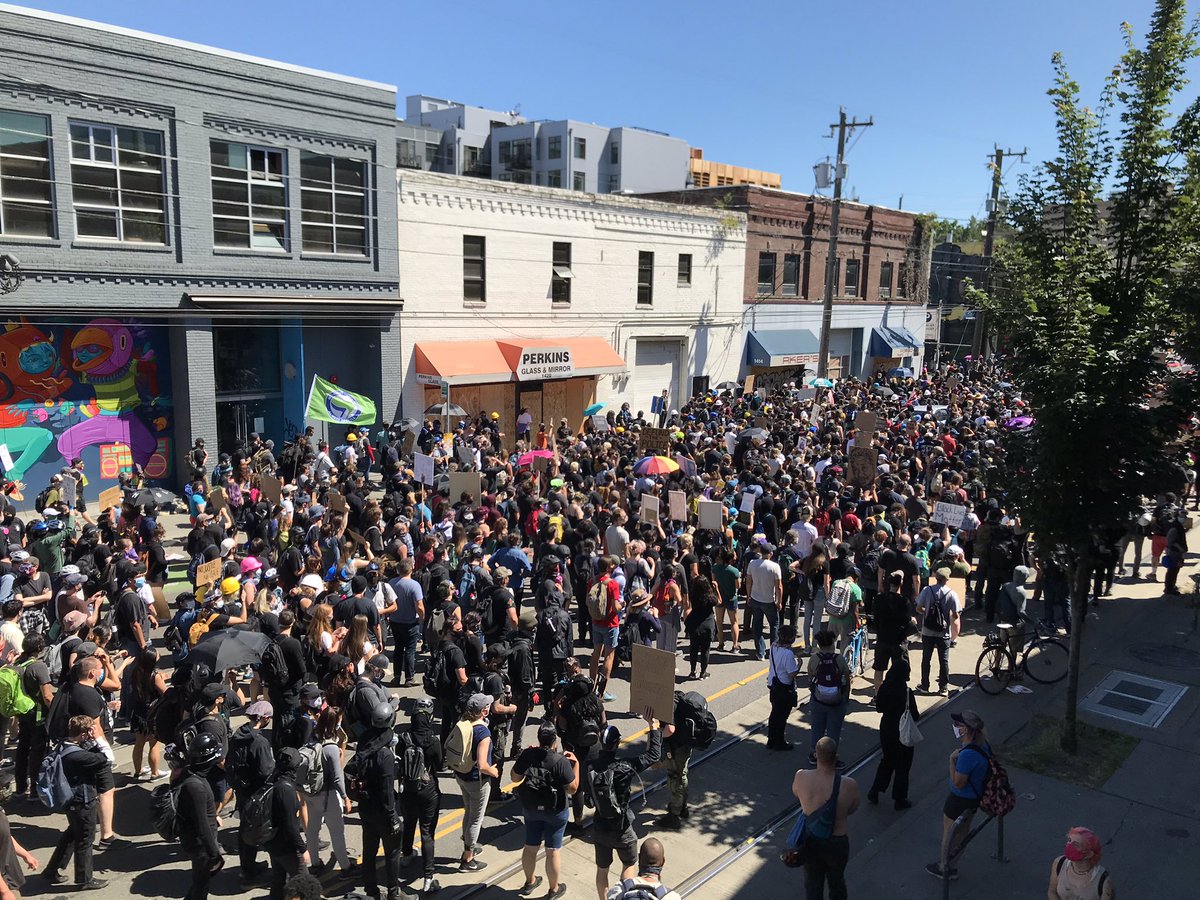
point(806, 533)
point(781, 685)
point(764, 581)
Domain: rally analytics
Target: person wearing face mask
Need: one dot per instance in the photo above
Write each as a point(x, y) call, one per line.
point(374, 764)
point(367, 694)
point(130, 613)
point(968, 774)
point(251, 574)
point(1077, 874)
point(32, 588)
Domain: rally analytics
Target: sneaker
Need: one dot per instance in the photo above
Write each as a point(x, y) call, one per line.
point(472, 866)
point(53, 876)
point(430, 886)
point(609, 698)
point(558, 891)
point(703, 675)
point(96, 884)
point(668, 822)
point(922, 689)
point(411, 682)
point(685, 813)
point(111, 841)
point(528, 889)
point(936, 871)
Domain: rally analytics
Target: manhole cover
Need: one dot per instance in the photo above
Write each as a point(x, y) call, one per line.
point(1166, 655)
point(1133, 698)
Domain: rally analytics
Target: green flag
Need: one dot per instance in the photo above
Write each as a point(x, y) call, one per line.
point(330, 403)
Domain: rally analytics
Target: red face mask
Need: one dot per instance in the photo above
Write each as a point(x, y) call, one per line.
point(1074, 854)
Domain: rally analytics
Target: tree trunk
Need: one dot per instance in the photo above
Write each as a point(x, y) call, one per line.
point(1080, 591)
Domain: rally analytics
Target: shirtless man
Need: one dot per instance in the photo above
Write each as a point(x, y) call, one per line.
point(825, 858)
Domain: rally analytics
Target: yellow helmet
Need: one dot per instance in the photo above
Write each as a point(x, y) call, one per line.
point(495, 415)
point(230, 586)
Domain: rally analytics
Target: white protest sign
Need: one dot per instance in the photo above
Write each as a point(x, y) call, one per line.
point(423, 468)
point(677, 501)
point(649, 508)
point(949, 514)
point(747, 505)
point(710, 515)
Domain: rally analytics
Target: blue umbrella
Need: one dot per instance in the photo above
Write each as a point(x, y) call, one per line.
point(822, 382)
point(593, 409)
point(901, 372)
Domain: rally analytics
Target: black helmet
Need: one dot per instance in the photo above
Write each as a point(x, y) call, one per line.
point(610, 738)
point(204, 750)
point(382, 715)
point(423, 707)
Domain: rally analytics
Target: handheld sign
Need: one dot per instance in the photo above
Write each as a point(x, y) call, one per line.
point(677, 501)
point(654, 441)
point(423, 468)
point(652, 682)
point(207, 574)
point(649, 508)
point(110, 497)
point(710, 515)
point(949, 514)
point(863, 465)
point(271, 487)
point(336, 501)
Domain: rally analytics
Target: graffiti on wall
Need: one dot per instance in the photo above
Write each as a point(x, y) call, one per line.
point(96, 389)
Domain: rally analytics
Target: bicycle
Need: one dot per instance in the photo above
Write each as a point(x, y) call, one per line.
point(855, 652)
point(1044, 658)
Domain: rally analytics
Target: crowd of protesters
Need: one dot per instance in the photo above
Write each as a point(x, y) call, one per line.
point(510, 611)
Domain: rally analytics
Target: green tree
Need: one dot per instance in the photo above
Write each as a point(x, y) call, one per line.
point(959, 231)
point(1089, 290)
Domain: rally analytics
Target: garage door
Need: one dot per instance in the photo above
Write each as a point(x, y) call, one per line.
point(655, 367)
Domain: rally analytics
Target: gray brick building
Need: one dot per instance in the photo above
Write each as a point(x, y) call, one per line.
point(199, 232)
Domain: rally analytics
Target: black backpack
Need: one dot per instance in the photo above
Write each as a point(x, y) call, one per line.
point(257, 823)
point(164, 810)
point(695, 725)
point(609, 789)
point(273, 668)
point(538, 790)
point(239, 766)
point(412, 772)
point(436, 680)
point(166, 715)
point(935, 614)
point(354, 773)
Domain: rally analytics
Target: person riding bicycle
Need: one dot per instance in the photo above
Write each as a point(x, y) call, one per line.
point(1011, 609)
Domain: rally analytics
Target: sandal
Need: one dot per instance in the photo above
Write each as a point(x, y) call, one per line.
point(528, 889)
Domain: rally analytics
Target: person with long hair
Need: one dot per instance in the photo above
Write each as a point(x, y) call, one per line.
point(146, 685)
point(701, 624)
point(357, 645)
point(328, 805)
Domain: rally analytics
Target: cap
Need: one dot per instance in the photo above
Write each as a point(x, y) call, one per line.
point(75, 579)
point(312, 581)
point(310, 695)
point(968, 718)
point(478, 703)
point(260, 709)
point(338, 661)
point(496, 651)
point(87, 648)
point(127, 569)
point(528, 619)
point(854, 573)
point(316, 511)
point(73, 620)
point(227, 546)
point(270, 574)
point(941, 573)
point(495, 415)
point(379, 661)
point(358, 584)
point(476, 552)
point(501, 572)
point(210, 692)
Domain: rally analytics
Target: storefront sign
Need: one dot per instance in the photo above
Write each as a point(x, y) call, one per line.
point(793, 359)
point(540, 363)
point(422, 378)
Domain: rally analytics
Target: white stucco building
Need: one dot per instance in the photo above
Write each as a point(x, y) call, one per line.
point(521, 296)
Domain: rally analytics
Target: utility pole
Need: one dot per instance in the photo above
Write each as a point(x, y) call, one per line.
point(839, 172)
point(979, 337)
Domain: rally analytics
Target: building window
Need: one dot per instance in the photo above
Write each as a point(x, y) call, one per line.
point(580, 179)
point(117, 181)
point(766, 273)
point(474, 268)
point(685, 270)
point(472, 159)
point(701, 179)
point(249, 197)
point(554, 147)
point(561, 274)
point(902, 280)
point(407, 155)
point(522, 177)
point(505, 152)
point(645, 282)
point(333, 205)
point(614, 154)
point(431, 155)
point(554, 178)
point(614, 183)
point(581, 148)
point(852, 267)
point(791, 275)
point(26, 182)
point(885, 280)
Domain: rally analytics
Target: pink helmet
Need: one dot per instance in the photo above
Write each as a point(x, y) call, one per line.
point(250, 565)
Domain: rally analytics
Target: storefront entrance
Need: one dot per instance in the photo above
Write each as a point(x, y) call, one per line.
point(248, 385)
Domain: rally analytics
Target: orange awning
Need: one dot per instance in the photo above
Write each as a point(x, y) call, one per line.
point(589, 355)
point(461, 362)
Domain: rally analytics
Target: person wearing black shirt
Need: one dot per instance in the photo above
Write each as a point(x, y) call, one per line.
point(455, 666)
point(249, 764)
point(287, 847)
point(284, 697)
point(901, 560)
point(84, 764)
point(423, 804)
point(131, 614)
point(31, 740)
point(196, 815)
point(381, 823)
point(356, 604)
point(495, 684)
point(546, 811)
point(894, 622)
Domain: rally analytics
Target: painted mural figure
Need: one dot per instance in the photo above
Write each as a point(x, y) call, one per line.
point(31, 376)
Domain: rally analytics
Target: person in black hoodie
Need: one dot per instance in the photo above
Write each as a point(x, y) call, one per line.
point(287, 846)
point(521, 673)
point(248, 765)
point(196, 814)
point(422, 803)
point(84, 762)
point(381, 817)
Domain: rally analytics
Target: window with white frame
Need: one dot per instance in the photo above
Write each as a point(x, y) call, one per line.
point(26, 182)
point(249, 197)
point(117, 183)
point(333, 205)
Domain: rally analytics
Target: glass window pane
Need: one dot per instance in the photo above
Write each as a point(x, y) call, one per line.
point(231, 232)
point(239, 210)
point(267, 236)
point(227, 190)
point(350, 172)
point(247, 360)
point(317, 239)
point(102, 150)
point(473, 268)
point(275, 165)
point(349, 204)
point(26, 219)
point(141, 190)
point(352, 240)
point(473, 290)
point(25, 179)
point(143, 162)
point(143, 226)
point(314, 170)
point(268, 201)
point(94, 186)
point(97, 223)
point(24, 135)
point(316, 201)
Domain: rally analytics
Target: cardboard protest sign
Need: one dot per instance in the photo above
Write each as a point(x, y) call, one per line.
point(652, 683)
point(215, 501)
point(208, 573)
point(949, 514)
point(407, 443)
point(335, 501)
point(469, 483)
point(677, 501)
point(866, 422)
point(649, 508)
point(959, 586)
point(748, 385)
point(69, 487)
point(423, 468)
point(654, 441)
point(113, 496)
point(271, 488)
point(600, 422)
point(541, 464)
point(466, 456)
point(862, 465)
point(710, 515)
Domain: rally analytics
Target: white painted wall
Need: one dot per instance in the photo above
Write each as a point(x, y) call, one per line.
point(521, 224)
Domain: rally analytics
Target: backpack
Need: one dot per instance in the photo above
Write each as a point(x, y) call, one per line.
point(437, 677)
point(609, 798)
point(459, 758)
point(922, 556)
point(338, 455)
point(597, 600)
point(175, 635)
point(164, 810)
point(840, 599)
point(200, 628)
point(257, 823)
point(1002, 551)
point(273, 668)
point(537, 790)
point(827, 680)
point(53, 789)
point(238, 766)
point(935, 614)
point(42, 500)
point(695, 725)
point(437, 620)
point(13, 699)
point(998, 797)
point(870, 565)
point(412, 771)
point(582, 712)
point(312, 769)
point(355, 775)
point(57, 655)
point(165, 715)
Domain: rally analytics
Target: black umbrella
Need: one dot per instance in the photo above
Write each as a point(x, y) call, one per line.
point(446, 409)
point(409, 424)
point(229, 648)
point(728, 386)
point(751, 433)
point(883, 391)
point(156, 495)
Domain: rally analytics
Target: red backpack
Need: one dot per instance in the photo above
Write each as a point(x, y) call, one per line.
point(998, 797)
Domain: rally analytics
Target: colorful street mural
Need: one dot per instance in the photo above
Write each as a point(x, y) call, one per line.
point(95, 388)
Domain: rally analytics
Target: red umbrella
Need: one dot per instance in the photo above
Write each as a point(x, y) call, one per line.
point(526, 459)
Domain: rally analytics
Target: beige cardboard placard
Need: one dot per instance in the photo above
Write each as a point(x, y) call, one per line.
point(335, 501)
point(748, 385)
point(216, 500)
point(959, 586)
point(109, 497)
point(208, 572)
point(271, 488)
point(649, 508)
point(677, 501)
point(867, 422)
point(863, 464)
point(652, 683)
point(541, 464)
point(465, 482)
point(654, 441)
point(407, 443)
point(710, 515)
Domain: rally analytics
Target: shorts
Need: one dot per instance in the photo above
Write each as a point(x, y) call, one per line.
point(1158, 545)
point(887, 654)
point(955, 806)
point(104, 780)
point(733, 603)
point(545, 828)
point(623, 843)
point(602, 636)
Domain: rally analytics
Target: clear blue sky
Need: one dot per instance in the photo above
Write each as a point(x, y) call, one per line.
point(754, 83)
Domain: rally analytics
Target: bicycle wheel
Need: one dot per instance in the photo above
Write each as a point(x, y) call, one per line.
point(1046, 661)
point(849, 656)
point(994, 670)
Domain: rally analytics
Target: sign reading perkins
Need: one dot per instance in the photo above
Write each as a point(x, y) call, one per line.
point(540, 363)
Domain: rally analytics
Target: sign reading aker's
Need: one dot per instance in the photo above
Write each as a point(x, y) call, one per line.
point(538, 364)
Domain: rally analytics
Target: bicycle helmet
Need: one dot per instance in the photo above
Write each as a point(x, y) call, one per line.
point(610, 738)
point(423, 707)
point(37, 529)
point(204, 751)
point(382, 715)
